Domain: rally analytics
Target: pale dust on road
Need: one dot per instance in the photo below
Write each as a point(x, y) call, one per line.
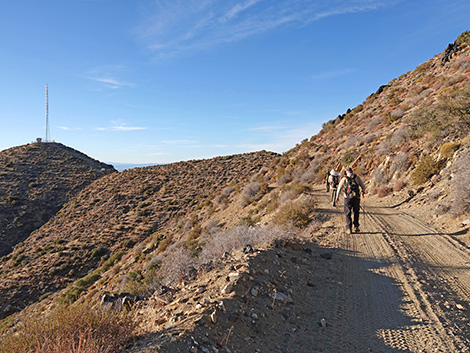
point(404, 286)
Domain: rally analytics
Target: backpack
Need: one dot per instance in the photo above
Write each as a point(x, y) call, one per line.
point(351, 188)
point(335, 181)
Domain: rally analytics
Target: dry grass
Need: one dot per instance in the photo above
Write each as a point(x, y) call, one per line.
point(77, 329)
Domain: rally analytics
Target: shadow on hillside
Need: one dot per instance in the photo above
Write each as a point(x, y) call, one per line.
point(358, 304)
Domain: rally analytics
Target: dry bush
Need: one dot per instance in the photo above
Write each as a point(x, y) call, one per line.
point(384, 148)
point(296, 214)
point(293, 190)
point(228, 190)
point(310, 174)
point(176, 265)
point(239, 237)
point(461, 186)
point(71, 329)
point(379, 176)
point(400, 162)
point(400, 136)
point(369, 138)
point(143, 283)
point(426, 168)
point(251, 190)
point(447, 149)
point(350, 142)
point(285, 179)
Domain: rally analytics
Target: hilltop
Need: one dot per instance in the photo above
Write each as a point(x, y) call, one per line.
point(113, 214)
point(245, 253)
point(36, 180)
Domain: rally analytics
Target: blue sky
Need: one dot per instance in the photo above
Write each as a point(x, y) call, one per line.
point(158, 81)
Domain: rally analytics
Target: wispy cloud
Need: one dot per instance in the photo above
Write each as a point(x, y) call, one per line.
point(176, 27)
point(68, 128)
point(121, 127)
point(109, 76)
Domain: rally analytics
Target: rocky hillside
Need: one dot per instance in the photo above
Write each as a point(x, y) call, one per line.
point(112, 215)
point(36, 180)
point(169, 236)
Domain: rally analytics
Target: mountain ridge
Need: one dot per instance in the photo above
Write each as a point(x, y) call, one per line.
point(153, 231)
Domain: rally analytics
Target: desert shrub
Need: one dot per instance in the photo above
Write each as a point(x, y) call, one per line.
point(374, 122)
point(311, 173)
point(251, 190)
point(450, 116)
point(98, 252)
point(192, 241)
point(384, 148)
point(461, 186)
point(238, 237)
point(379, 176)
point(247, 220)
point(143, 283)
point(463, 38)
point(348, 157)
point(176, 265)
point(400, 162)
point(369, 138)
point(71, 329)
point(400, 136)
point(73, 293)
point(112, 260)
point(128, 243)
point(285, 179)
point(228, 190)
point(423, 121)
point(350, 142)
point(18, 258)
point(448, 149)
point(296, 214)
point(164, 242)
point(293, 190)
point(426, 168)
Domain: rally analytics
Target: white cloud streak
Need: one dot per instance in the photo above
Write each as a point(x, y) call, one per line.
point(179, 27)
point(121, 127)
point(107, 76)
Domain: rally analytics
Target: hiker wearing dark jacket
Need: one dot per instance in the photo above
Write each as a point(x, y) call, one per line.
point(349, 186)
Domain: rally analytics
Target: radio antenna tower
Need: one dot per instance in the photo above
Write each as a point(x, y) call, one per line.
point(47, 116)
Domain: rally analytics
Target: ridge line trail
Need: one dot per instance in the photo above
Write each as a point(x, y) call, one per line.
point(403, 286)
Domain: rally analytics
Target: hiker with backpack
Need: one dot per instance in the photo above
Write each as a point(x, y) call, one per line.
point(333, 181)
point(350, 185)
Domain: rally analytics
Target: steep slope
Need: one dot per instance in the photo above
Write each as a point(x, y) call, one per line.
point(406, 136)
point(35, 181)
point(176, 237)
point(110, 216)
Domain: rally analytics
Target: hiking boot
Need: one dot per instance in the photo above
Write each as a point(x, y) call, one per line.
point(349, 230)
point(356, 230)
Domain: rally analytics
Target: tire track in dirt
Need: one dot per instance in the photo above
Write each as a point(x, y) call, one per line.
point(436, 274)
point(400, 282)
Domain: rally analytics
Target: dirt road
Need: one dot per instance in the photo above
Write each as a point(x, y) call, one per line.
point(403, 286)
point(398, 286)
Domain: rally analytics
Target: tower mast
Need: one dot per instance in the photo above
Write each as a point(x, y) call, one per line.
point(47, 116)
